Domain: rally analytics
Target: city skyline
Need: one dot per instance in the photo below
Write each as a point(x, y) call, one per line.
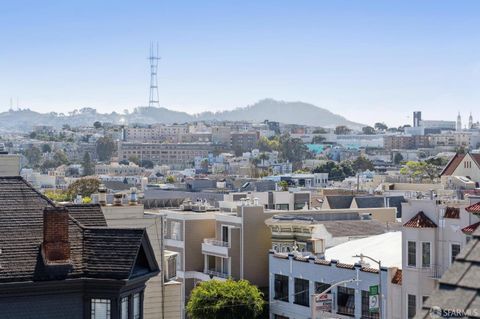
point(356, 60)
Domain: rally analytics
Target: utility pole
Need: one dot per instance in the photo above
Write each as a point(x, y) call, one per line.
point(380, 298)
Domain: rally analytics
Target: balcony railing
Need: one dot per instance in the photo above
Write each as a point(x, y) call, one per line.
point(436, 271)
point(213, 273)
point(215, 242)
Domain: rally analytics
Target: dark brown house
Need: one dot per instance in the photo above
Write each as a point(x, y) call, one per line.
point(64, 262)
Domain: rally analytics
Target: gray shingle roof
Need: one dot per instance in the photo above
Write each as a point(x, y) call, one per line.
point(97, 252)
point(459, 287)
point(87, 214)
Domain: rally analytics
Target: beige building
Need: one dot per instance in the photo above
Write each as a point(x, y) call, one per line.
point(160, 300)
point(465, 165)
point(179, 155)
point(432, 237)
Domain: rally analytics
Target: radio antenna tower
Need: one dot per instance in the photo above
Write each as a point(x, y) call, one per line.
point(153, 99)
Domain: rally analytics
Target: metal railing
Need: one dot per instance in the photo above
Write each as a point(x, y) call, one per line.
point(216, 274)
point(435, 271)
point(215, 242)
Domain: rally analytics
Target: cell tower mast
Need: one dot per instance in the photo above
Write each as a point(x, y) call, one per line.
point(153, 99)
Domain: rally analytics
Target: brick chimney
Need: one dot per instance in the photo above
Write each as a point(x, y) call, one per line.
point(56, 247)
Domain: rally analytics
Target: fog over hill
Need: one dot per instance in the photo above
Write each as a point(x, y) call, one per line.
point(273, 110)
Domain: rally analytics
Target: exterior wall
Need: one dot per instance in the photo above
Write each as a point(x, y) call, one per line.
point(45, 306)
point(330, 274)
point(468, 167)
point(133, 216)
point(195, 232)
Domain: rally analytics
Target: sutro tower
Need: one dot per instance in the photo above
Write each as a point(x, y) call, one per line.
point(153, 99)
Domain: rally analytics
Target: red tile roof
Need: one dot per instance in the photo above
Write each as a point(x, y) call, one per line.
point(397, 278)
point(420, 221)
point(455, 161)
point(475, 208)
point(452, 212)
point(452, 165)
point(470, 229)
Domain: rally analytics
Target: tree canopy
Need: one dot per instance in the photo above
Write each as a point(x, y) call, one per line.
point(105, 147)
point(336, 171)
point(88, 168)
point(228, 299)
point(84, 187)
point(342, 130)
point(419, 170)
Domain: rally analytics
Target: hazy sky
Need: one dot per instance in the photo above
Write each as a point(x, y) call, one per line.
point(367, 60)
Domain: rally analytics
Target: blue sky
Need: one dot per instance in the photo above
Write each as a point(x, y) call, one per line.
point(367, 60)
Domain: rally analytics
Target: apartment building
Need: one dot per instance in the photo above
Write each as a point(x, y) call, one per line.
point(162, 297)
point(179, 156)
point(296, 276)
point(116, 169)
point(244, 141)
point(185, 231)
point(9, 163)
point(156, 133)
point(432, 237)
point(313, 233)
point(403, 142)
point(278, 200)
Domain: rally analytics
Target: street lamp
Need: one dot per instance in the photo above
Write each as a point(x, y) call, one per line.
point(379, 263)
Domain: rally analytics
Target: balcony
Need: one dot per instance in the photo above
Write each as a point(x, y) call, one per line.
point(215, 247)
point(435, 271)
point(212, 274)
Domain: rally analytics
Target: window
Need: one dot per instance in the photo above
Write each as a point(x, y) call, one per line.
point(424, 298)
point(225, 233)
point(282, 207)
point(171, 271)
point(175, 230)
point(136, 306)
point(321, 287)
point(281, 288)
point(302, 292)
point(412, 254)
point(366, 314)
point(426, 255)
point(411, 306)
point(454, 250)
point(100, 308)
point(125, 301)
point(346, 301)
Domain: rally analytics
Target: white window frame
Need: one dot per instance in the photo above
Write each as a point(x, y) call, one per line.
point(450, 255)
point(408, 253)
point(430, 253)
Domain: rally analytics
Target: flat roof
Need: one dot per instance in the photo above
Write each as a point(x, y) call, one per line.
point(386, 248)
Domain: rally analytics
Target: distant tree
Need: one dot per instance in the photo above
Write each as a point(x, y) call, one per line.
point(263, 157)
point(85, 187)
point(88, 167)
point(60, 158)
point(170, 179)
point(97, 125)
point(58, 195)
point(214, 299)
point(368, 130)
point(342, 130)
point(318, 139)
point(361, 164)
point(146, 164)
point(134, 159)
point(419, 170)
point(461, 150)
point(397, 158)
point(66, 127)
point(72, 171)
point(336, 172)
point(105, 148)
point(124, 162)
point(293, 150)
point(48, 164)
point(283, 185)
point(32, 135)
point(380, 126)
point(33, 155)
point(46, 148)
point(437, 161)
